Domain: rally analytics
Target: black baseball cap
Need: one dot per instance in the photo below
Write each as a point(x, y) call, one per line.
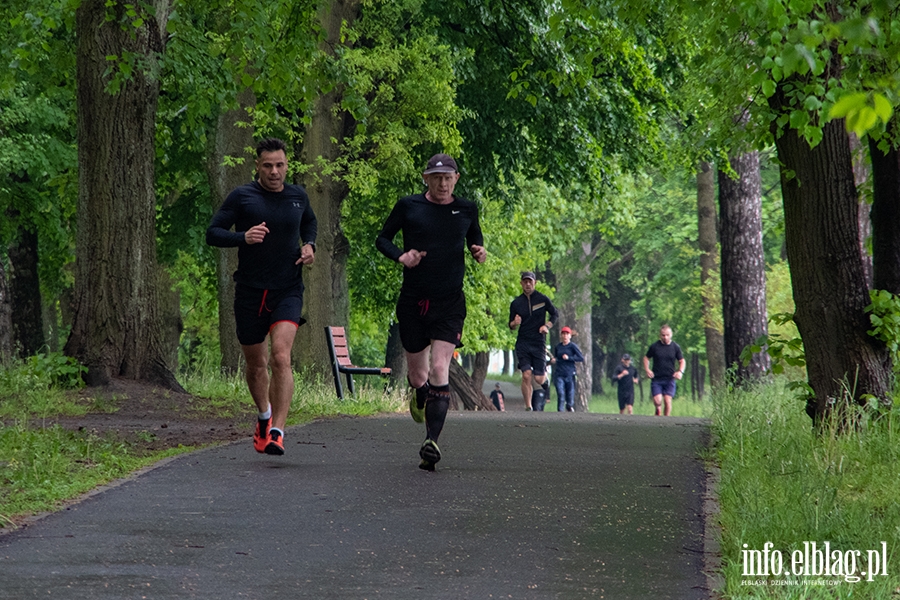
point(440, 163)
point(528, 275)
point(626, 357)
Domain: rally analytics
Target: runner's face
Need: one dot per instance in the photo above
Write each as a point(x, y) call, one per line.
point(665, 336)
point(564, 337)
point(528, 286)
point(440, 186)
point(272, 169)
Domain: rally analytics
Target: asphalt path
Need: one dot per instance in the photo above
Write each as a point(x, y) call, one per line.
point(523, 506)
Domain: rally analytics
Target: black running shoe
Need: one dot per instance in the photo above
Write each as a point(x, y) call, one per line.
point(430, 455)
point(275, 447)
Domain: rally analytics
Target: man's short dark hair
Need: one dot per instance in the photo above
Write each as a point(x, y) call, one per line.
point(270, 145)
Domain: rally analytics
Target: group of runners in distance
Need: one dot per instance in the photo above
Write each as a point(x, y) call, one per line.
point(274, 229)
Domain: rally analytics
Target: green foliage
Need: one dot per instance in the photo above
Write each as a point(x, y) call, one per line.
point(884, 313)
point(196, 283)
point(782, 350)
point(835, 486)
point(41, 372)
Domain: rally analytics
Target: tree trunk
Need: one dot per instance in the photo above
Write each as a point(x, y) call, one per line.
point(326, 299)
point(25, 294)
point(480, 368)
point(576, 313)
point(885, 218)
point(743, 266)
point(229, 139)
point(599, 367)
point(711, 290)
point(507, 360)
point(117, 329)
point(464, 391)
point(828, 281)
point(861, 176)
point(6, 347)
point(395, 357)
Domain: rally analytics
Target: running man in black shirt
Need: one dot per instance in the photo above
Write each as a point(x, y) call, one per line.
point(665, 354)
point(437, 228)
point(270, 218)
point(529, 313)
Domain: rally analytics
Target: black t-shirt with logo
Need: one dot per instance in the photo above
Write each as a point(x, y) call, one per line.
point(271, 264)
point(534, 310)
point(443, 231)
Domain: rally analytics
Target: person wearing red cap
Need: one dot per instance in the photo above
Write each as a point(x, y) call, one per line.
point(565, 355)
point(438, 229)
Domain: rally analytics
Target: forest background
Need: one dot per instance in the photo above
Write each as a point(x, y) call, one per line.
point(706, 168)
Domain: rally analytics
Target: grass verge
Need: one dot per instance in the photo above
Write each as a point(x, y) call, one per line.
point(784, 485)
point(42, 466)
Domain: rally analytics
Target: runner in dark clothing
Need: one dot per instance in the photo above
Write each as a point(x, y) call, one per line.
point(625, 376)
point(565, 355)
point(665, 355)
point(437, 229)
point(528, 313)
point(275, 232)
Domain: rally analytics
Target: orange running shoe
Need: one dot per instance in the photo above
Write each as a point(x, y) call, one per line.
point(275, 447)
point(261, 435)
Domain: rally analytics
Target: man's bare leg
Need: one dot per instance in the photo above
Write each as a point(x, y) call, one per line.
point(527, 388)
point(657, 400)
point(668, 400)
point(281, 386)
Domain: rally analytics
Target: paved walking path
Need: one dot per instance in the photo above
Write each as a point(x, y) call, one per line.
point(523, 506)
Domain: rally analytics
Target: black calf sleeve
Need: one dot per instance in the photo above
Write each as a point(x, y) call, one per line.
point(436, 407)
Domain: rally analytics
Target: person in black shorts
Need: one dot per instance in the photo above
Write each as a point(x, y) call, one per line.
point(497, 398)
point(529, 313)
point(275, 233)
point(438, 228)
point(665, 354)
point(625, 377)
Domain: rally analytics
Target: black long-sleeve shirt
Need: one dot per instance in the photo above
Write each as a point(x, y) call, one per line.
point(289, 217)
point(534, 310)
point(443, 232)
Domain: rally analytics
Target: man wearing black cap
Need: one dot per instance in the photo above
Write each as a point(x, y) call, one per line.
point(625, 376)
point(528, 313)
point(437, 228)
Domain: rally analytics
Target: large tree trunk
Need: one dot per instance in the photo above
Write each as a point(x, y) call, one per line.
point(25, 294)
point(575, 312)
point(395, 357)
point(709, 273)
point(463, 390)
point(885, 218)
point(117, 329)
point(6, 347)
point(743, 266)
point(326, 299)
point(480, 368)
point(229, 139)
point(822, 239)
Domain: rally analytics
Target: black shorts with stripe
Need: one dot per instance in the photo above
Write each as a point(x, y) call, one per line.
point(256, 311)
point(422, 320)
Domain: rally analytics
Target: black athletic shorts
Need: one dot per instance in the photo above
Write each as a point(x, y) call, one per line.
point(256, 311)
point(531, 358)
point(422, 320)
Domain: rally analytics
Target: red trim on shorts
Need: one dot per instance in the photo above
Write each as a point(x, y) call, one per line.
point(423, 306)
point(262, 304)
point(297, 326)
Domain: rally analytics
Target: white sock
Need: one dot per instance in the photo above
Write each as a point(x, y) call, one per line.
point(274, 429)
point(267, 414)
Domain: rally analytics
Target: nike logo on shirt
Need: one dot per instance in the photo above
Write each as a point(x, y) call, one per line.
point(454, 212)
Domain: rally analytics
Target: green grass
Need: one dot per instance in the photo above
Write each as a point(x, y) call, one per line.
point(782, 483)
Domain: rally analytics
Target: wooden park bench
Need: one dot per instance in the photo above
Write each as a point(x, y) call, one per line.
point(336, 338)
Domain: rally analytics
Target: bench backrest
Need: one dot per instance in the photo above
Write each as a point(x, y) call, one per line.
point(341, 351)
